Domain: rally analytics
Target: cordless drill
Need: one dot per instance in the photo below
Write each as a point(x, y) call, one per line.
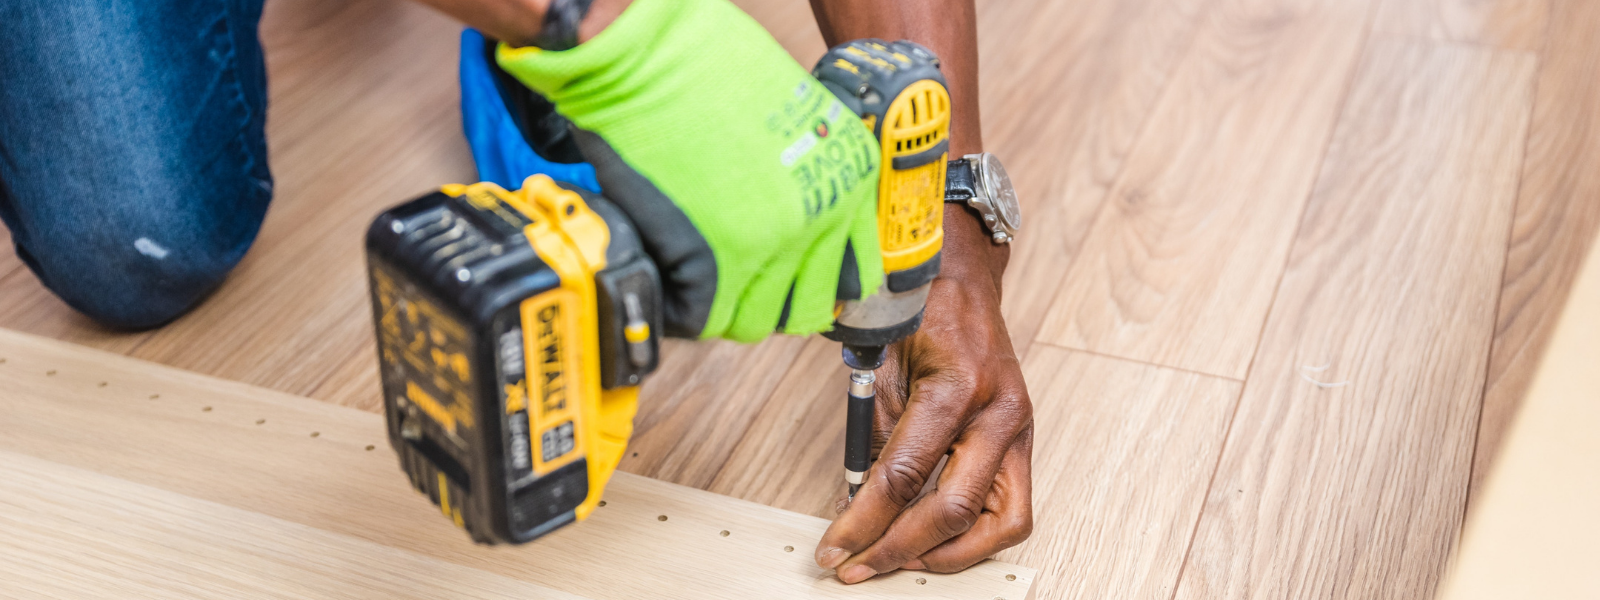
point(901, 96)
point(514, 327)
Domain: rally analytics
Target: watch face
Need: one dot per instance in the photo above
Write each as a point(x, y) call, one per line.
point(997, 186)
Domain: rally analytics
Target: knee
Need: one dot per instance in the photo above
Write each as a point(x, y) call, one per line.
point(139, 262)
point(129, 278)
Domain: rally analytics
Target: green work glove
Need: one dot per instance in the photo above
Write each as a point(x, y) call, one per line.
point(746, 177)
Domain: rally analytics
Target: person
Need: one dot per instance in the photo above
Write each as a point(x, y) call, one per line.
point(134, 176)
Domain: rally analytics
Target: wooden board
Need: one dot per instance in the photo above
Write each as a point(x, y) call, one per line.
point(317, 481)
point(1354, 487)
point(74, 533)
point(1113, 517)
point(1557, 217)
point(1180, 267)
point(1510, 24)
point(1534, 532)
point(1067, 88)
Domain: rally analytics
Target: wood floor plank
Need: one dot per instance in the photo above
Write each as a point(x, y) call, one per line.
point(1509, 24)
point(1556, 221)
point(1345, 472)
point(697, 407)
point(1115, 509)
point(791, 455)
point(329, 468)
point(1066, 89)
point(1180, 267)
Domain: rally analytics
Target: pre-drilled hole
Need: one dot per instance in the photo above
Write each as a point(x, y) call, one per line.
point(102, 384)
point(50, 372)
point(636, 455)
point(154, 396)
point(370, 447)
point(260, 421)
point(661, 518)
point(316, 433)
point(724, 533)
point(602, 503)
point(922, 581)
point(1011, 577)
point(788, 548)
point(206, 409)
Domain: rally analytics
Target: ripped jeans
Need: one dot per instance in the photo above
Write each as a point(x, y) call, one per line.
point(133, 159)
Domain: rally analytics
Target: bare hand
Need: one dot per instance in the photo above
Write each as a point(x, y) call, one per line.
point(954, 388)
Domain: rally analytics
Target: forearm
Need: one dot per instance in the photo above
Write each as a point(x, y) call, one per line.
point(518, 22)
point(949, 29)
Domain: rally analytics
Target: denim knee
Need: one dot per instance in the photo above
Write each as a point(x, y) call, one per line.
point(133, 273)
point(133, 164)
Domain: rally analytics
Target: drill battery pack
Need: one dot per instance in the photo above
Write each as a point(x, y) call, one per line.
point(513, 330)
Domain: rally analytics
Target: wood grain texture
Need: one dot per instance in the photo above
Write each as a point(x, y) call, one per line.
point(1066, 89)
point(1179, 268)
point(1355, 487)
point(297, 463)
point(698, 405)
point(73, 533)
point(1557, 217)
point(1114, 513)
point(1509, 24)
point(1534, 532)
point(792, 455)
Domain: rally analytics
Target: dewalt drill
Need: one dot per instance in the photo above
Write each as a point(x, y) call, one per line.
point(514, 328)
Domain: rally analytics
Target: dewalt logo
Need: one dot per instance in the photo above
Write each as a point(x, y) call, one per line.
point(552, 371)
point(551, 346)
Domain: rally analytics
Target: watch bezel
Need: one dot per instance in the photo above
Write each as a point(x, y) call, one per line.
point(995, 198)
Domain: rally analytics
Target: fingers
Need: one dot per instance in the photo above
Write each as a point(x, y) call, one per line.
point(1007, 518)
point(949, 511)
point(816, 282)
point(907, 461)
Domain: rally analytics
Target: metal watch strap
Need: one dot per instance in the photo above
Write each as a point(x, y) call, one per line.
point(560, 30)
point(959, 183)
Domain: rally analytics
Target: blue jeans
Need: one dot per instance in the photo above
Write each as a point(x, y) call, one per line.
point(133, 159)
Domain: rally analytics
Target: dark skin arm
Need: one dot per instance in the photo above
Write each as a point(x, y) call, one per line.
point(518, 21)
point(955, 387)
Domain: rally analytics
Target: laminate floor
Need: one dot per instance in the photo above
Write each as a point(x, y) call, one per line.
point(1287, 269)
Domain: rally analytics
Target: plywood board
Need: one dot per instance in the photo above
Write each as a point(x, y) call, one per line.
point(1557, 217)
point(1180, 266)
point(1535, 531)
point(294, 464)
point(1345, 472)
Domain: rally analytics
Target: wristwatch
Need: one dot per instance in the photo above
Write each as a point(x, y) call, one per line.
point(979, 181)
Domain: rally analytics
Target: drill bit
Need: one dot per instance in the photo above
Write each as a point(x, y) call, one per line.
point(858, 428)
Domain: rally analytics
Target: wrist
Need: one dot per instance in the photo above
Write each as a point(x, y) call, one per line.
point(970, 255)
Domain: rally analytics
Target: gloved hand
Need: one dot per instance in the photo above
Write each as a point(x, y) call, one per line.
point(747, 179)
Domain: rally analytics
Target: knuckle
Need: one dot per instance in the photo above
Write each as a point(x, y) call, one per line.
point(904, 479)
point(1014, 530)
point(957, 386)
point(958, 511)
